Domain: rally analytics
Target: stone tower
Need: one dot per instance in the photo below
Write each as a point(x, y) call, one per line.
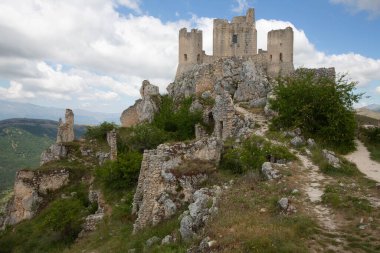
point(280, 51)
point(238, 38)
point(66, 129)
point(190, 49)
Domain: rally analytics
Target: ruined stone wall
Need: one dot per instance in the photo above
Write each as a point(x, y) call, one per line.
point(112, 142)
point(30, 190)
point(235, 39)
point(66, 129)
point(280, 52)
point(317, 72)
point(223, 113)
point(162, 187)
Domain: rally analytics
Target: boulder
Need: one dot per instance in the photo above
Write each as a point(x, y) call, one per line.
point(269, 172)
point(55, 152)
point(331, 158)
point(297, 141)
point(152, 241)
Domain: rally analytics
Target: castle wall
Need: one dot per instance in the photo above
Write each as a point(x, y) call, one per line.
point(280, 52)
point(238, 38)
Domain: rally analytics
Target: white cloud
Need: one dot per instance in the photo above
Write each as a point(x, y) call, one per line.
point(94, 57)
point(131, 4)
point(370, 6)
point(378, 89)
point(240, 6)
point(15, 90)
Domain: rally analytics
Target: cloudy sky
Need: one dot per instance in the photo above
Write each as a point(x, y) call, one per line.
point(94, 54)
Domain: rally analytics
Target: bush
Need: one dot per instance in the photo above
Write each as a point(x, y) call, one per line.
point(252, 154)
point(121, 174)
point(321, 107)
point(99, 132)
point(177, 121)
point(141, 137)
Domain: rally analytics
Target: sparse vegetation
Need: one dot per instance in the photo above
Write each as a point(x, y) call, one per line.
point(52, 230)
point(320, 107)
point(99, 133)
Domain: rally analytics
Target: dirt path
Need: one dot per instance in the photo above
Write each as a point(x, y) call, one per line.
point(361, 158)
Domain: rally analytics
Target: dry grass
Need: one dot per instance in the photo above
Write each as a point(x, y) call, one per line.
point(242, 225)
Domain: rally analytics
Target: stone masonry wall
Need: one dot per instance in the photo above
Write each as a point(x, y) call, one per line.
point(161, 191)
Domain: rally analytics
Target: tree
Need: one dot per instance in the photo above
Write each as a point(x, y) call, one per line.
point(321, 107)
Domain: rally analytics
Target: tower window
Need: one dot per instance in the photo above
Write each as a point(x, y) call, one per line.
point(234, 38)
point(270, 57)
point(280, 57)
point(198, 58)
point(185, 57)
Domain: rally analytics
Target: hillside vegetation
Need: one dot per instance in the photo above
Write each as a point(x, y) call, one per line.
point(330, 205)
point(21, 144)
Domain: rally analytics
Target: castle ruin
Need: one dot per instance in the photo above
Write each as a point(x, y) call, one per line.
point(238, 39)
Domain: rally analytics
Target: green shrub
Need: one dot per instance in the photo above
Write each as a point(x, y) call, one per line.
point(141, 137)
point(99, 132)
point(252, 154)
point(177, 120)
point(121, 174)
point(321, 107)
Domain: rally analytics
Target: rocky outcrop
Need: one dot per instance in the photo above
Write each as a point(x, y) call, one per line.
point(144, 109)
point(331, 158)
point(199, 212)
point(30, 190)
point(242, 79)
point(167, 180)
point(66, 129)
point(54, 153)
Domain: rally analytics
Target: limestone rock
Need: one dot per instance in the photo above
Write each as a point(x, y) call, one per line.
point(167, 240)
point(242, 79)
point(269, 172)
point(30, 190)
point(66, 129)
point(144, 109)
point(297, 141)
point(283, 203)
point(257, 103)
point(152, 241)
point(331, 158)
point(186, 228)
point(53, 153)
point(311, 143)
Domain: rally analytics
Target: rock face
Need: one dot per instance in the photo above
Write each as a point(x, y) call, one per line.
point(242, 79)
point(143, 109)
point(66, 129)
point(165, 183)
point(204, 205)
point(53, 153)
point(30, 189)
point(269, 172)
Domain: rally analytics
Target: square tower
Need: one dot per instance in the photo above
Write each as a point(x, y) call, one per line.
point(237, 38)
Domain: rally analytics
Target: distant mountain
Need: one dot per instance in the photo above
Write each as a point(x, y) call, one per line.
point(25, 110)
point(22, 142)
point(373, 107)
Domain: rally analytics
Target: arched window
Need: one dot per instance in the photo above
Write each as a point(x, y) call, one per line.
point(185, 57)
point(270, 57)
point(280, 57)
point(198, 58)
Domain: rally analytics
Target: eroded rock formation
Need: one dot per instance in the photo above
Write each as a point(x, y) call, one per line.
point(66, 129)
point(143, 109)
point(30, 190)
